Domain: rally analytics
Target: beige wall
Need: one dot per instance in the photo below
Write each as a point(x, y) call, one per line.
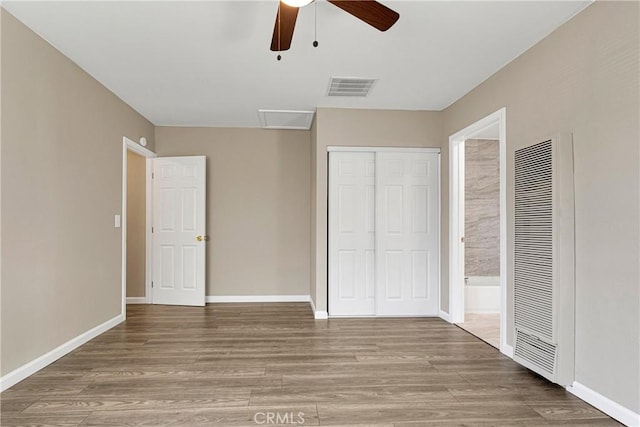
point(136, 223)
point(583, 78)
point(346, 127)
point(257, 206)
point(61, 141)
point(61, 186)
point(0, 190)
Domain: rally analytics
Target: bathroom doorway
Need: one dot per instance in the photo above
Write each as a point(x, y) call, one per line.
point(478, 230)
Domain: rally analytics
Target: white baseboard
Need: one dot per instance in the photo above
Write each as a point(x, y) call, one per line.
point(257, 298)
point(445, 316)
point(136, 300)
point(606, 405)
point(318, 315)
point(46, 359)
point(507, 350)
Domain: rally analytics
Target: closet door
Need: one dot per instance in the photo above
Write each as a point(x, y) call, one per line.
point(351, 233)
point(407, 234)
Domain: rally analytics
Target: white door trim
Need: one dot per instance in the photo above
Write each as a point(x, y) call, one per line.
point(383, 149)
point(130, 145)
point(456, 221)
point(148, 271)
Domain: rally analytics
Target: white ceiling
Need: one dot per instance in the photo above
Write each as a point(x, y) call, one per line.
point(209, 63)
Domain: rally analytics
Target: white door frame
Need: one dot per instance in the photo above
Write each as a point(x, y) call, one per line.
point(457, 220)
point(130, 145)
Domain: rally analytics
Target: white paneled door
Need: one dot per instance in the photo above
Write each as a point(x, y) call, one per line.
point(351, 251)
point(383, 233)
point(407, 234)
point(179, 230)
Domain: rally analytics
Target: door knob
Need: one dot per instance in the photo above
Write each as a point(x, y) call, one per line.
point(201, 238)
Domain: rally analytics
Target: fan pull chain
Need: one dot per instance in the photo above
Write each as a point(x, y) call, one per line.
point(279, 57)
point(315, 29)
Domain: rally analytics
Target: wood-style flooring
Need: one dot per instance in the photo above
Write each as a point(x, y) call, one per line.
point(273, 364)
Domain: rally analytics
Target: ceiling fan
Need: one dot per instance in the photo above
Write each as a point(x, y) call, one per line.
point(373, 13)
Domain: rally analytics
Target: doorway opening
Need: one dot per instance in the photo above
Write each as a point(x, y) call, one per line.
point(136, 223)
point(477, 238)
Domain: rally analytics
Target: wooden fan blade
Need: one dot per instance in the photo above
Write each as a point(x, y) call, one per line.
point(283, 29)
point(373, 13)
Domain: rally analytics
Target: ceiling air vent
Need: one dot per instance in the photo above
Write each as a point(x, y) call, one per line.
point(285, 119)
point(350, 86)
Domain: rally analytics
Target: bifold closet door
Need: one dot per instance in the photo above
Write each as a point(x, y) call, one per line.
point(351, 233)
point(407, 234)
point(383, 233)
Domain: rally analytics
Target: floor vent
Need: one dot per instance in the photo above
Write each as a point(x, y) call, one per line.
point(350, 86)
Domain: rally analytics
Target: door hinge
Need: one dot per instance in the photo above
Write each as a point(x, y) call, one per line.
point(152, 283)
point(153, 175)
point(152, 229)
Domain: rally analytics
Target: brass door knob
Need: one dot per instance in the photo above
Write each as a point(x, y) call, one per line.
point(201, 238)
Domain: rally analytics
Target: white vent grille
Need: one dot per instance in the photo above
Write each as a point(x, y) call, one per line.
point(350, 86)
point(285, 119)
point(533, 264)
point(544, 290)
point(533, 349)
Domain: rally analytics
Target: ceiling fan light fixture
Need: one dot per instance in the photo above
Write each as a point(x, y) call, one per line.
point(297, 3)
point(371, 12)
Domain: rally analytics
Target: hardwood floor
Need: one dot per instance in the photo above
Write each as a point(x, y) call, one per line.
point(260, 364)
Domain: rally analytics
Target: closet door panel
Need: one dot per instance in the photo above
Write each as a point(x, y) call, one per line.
point(351, 233)
point(406, 237)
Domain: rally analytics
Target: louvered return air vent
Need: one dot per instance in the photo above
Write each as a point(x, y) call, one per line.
point(350, 86)
point(533, 349)
point(285, 119)
point(544, 259)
